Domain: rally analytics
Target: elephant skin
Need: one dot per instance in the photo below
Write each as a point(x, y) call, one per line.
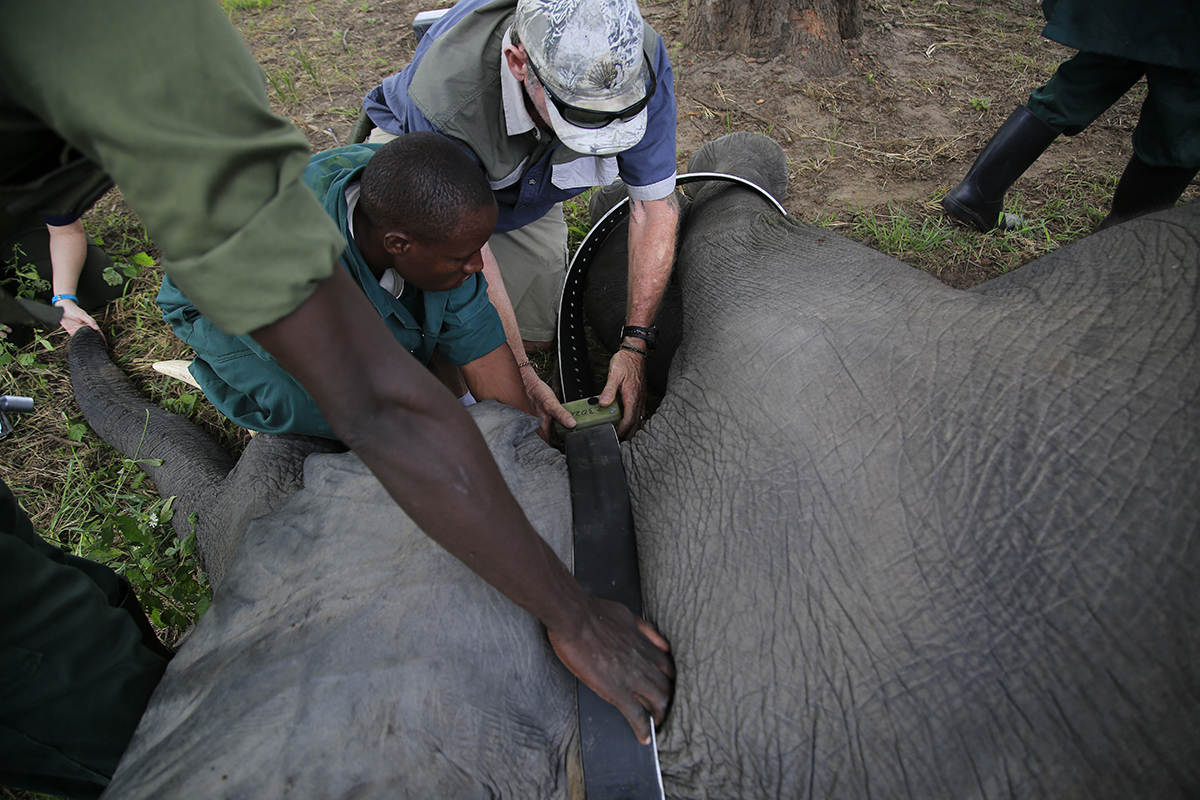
point(215, 496)
point(906, 541)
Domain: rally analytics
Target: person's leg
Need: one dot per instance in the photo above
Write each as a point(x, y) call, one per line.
point(93, 290)
point(252, 391)
point(1082, 88)
point(75, 675)
point(238, 377)
point(533, 263)
point(379, 136)
point(979, 198)
point(1166, 146)
point(30, 246)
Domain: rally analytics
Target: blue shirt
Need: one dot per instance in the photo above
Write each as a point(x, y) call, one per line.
point(529, 169)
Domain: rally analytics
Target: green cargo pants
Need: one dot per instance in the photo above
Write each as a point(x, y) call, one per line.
point(1083, 87)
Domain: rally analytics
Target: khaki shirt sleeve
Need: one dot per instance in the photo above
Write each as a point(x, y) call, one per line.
point(168, 100)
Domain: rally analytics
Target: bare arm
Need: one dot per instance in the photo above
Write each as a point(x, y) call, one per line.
point(428, 454)
point(652, 229)
point(541, 397)
point(68, 251)
point(495, 377)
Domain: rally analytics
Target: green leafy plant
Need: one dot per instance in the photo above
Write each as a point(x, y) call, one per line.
point(118, 524)
point(28, 281)
point(578, 219)
point(981, 104)
point(184, 405)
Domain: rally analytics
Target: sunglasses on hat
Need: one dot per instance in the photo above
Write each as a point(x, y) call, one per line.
point(589, 118)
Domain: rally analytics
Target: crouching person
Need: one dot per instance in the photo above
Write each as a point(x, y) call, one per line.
point(415, 213)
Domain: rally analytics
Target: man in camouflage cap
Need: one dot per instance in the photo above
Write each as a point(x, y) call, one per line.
point(553, 97)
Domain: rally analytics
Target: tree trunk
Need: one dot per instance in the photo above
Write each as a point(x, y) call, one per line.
point(808, 33)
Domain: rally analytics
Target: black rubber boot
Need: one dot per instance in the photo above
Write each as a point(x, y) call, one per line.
point(1144, 189)
point(979, 199)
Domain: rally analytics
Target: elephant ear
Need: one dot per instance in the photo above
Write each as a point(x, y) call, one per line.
point(752, 156)
point(606, 288)
point(604, 198)
point(746, 155)
point(348, 655)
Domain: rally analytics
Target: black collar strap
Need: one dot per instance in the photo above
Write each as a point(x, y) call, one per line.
point(615, 765)
point(574, 368)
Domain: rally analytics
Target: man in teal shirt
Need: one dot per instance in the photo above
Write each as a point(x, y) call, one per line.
point(374, 191)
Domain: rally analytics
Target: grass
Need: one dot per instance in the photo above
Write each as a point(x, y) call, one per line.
point(920, 235)
point(246, 5)
point(898, 234)
point(1059, 207)
point(283, 81)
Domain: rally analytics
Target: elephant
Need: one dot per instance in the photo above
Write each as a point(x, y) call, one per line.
point(220, 494)
point(906, 540)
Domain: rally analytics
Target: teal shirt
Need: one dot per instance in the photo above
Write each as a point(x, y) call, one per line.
point(250, 388)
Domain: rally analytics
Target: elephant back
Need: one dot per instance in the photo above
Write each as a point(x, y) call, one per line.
point(914, 541)
point(348, 655)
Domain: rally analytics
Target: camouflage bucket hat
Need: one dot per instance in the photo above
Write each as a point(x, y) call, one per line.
point(588, 56)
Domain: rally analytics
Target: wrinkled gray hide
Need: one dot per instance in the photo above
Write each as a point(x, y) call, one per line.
point(906, 541)
point(214, 497)
point(347, 655)
point(914, 541)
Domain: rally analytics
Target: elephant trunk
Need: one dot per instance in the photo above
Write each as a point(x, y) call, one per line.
point(214, 495)
point(181, 459)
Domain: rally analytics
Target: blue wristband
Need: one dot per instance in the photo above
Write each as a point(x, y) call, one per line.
point(54, 300)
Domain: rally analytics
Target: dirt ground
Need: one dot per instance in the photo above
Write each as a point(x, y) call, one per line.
point(929, 82)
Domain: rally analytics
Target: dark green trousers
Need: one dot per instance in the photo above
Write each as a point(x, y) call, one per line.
point(1083, 87)
point(74, 676)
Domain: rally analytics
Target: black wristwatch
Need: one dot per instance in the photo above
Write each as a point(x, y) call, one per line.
point(647, 335)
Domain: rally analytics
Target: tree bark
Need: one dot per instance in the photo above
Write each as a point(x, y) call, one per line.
point(808, 33)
